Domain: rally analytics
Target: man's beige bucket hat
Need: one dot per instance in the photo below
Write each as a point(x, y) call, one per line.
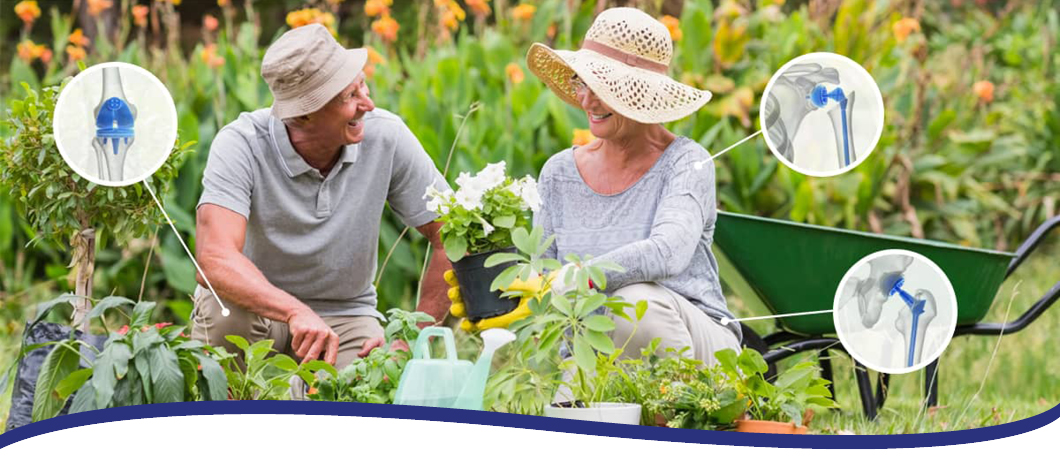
point(306, 68)
point(624, 59)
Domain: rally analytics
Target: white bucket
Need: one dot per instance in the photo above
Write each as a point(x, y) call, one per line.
point(605, 412)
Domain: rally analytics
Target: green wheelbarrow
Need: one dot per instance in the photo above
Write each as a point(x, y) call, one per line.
point(790, 267)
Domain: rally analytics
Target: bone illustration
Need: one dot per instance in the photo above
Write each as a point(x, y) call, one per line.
point(871, 293)
point(800, 90)
point(115, 119)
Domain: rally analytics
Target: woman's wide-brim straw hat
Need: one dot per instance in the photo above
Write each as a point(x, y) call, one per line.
point(624, 60)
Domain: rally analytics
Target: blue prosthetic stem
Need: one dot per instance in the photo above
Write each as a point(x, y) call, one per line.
point(916, 307)
point(819, 96)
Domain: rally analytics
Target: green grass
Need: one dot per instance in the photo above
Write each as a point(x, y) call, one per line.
point(1021, 380)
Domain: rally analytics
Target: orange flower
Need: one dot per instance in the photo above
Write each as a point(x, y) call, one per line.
point(29, 51)
point(457, 11)
point(386, 27)
point(373, 8)
point(984, 90)
point(308, 16)
point(75, 53)
point(904, 27)
point(139, 13)
point(479, 7)
point(515, 73)
point(210, 57)
point(209, 23)
point(28, 11)
point(449, 21)
point(375, 57)
point(582, 137)
point(524, 12)
point(78, 39)
point(673, 25)
point(46, 56)
point(98, 6)
point(222, 3)
point(551, 32)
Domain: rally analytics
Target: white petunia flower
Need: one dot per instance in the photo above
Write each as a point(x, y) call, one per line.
point(438, 201)
point(469, 198)
point(491, 176)
point(528, 192)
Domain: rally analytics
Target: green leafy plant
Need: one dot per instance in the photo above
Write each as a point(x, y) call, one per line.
point(572, 319)
point(374, 378)
point(141, 363)
point(783, 400)
point(680, 391)
point(262, 374)
point(481, 214)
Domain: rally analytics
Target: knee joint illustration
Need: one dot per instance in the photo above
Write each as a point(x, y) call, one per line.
point(115, 119)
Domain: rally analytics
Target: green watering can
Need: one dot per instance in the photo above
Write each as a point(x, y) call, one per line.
point(448, 382)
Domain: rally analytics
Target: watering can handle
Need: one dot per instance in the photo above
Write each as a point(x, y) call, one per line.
point(422, 350)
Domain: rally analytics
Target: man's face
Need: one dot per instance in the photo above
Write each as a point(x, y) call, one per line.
point(342, 117)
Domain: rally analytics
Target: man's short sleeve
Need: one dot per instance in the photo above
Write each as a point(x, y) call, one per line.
point(228, 179)
point(412, 172)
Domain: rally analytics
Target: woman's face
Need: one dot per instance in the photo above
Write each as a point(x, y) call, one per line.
point(604, 122)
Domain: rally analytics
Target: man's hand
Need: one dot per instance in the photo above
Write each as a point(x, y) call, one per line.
point(311, 337)
point(376, 342)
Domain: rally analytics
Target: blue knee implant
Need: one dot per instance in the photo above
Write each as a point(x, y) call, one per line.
point(115, 122)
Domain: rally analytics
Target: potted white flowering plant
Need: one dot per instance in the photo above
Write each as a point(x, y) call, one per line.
point(477, 221)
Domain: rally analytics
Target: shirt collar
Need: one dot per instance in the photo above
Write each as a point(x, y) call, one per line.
point(293, 163)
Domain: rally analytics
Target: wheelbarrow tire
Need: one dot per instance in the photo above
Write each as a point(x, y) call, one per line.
point(752, 340)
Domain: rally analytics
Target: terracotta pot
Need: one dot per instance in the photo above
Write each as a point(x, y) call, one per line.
point(660, 420)
point(768, 427)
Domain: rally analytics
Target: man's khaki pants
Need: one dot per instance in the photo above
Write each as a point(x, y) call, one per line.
point(211, 328)
point(674, 320)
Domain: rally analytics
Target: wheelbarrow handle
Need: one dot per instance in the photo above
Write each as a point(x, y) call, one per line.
point(1035, 310)
point(1031, 243)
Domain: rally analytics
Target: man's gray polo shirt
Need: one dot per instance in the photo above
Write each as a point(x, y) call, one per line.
point(317, 237)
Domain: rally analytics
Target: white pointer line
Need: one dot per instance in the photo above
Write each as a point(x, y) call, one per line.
point(699, 164)
point(726, 321)
point(224, 310)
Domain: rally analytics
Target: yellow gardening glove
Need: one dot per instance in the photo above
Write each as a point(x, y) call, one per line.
point(521, 311)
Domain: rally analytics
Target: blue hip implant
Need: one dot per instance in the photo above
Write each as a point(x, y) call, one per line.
point(819, 96)
point(114, 122)
point(915, 306)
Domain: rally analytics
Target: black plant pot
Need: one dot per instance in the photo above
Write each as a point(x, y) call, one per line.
point(475, 280)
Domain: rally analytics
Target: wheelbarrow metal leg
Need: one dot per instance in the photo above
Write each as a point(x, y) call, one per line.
point(826, 370)
point(931, 384)
point(883, 384)
point(868, 402)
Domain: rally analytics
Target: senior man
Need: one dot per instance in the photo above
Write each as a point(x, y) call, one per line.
point(288, 222)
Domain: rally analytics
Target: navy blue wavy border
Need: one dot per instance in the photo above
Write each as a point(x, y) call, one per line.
point(529, 422)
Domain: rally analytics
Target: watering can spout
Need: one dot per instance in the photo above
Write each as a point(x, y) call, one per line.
point(470, 397)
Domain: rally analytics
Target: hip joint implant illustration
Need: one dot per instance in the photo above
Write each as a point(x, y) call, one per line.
point(800, 90)
point(886, 280)
point(115, 118)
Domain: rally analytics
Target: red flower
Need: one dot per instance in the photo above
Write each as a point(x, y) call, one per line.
point(124, 330)
point(163, 325)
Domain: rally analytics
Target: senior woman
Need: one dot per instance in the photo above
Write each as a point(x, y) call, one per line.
point(633, 195)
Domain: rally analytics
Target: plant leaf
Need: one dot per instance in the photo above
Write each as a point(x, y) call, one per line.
point(107, 303)
point(583, 354)
point(216, 381)
point(167, 381)
point(73, 382)
point(142, 314)
point(59, 364)
point(599, 323)
point(600, 341)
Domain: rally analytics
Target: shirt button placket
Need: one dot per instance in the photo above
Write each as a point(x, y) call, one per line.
point(323, 200)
